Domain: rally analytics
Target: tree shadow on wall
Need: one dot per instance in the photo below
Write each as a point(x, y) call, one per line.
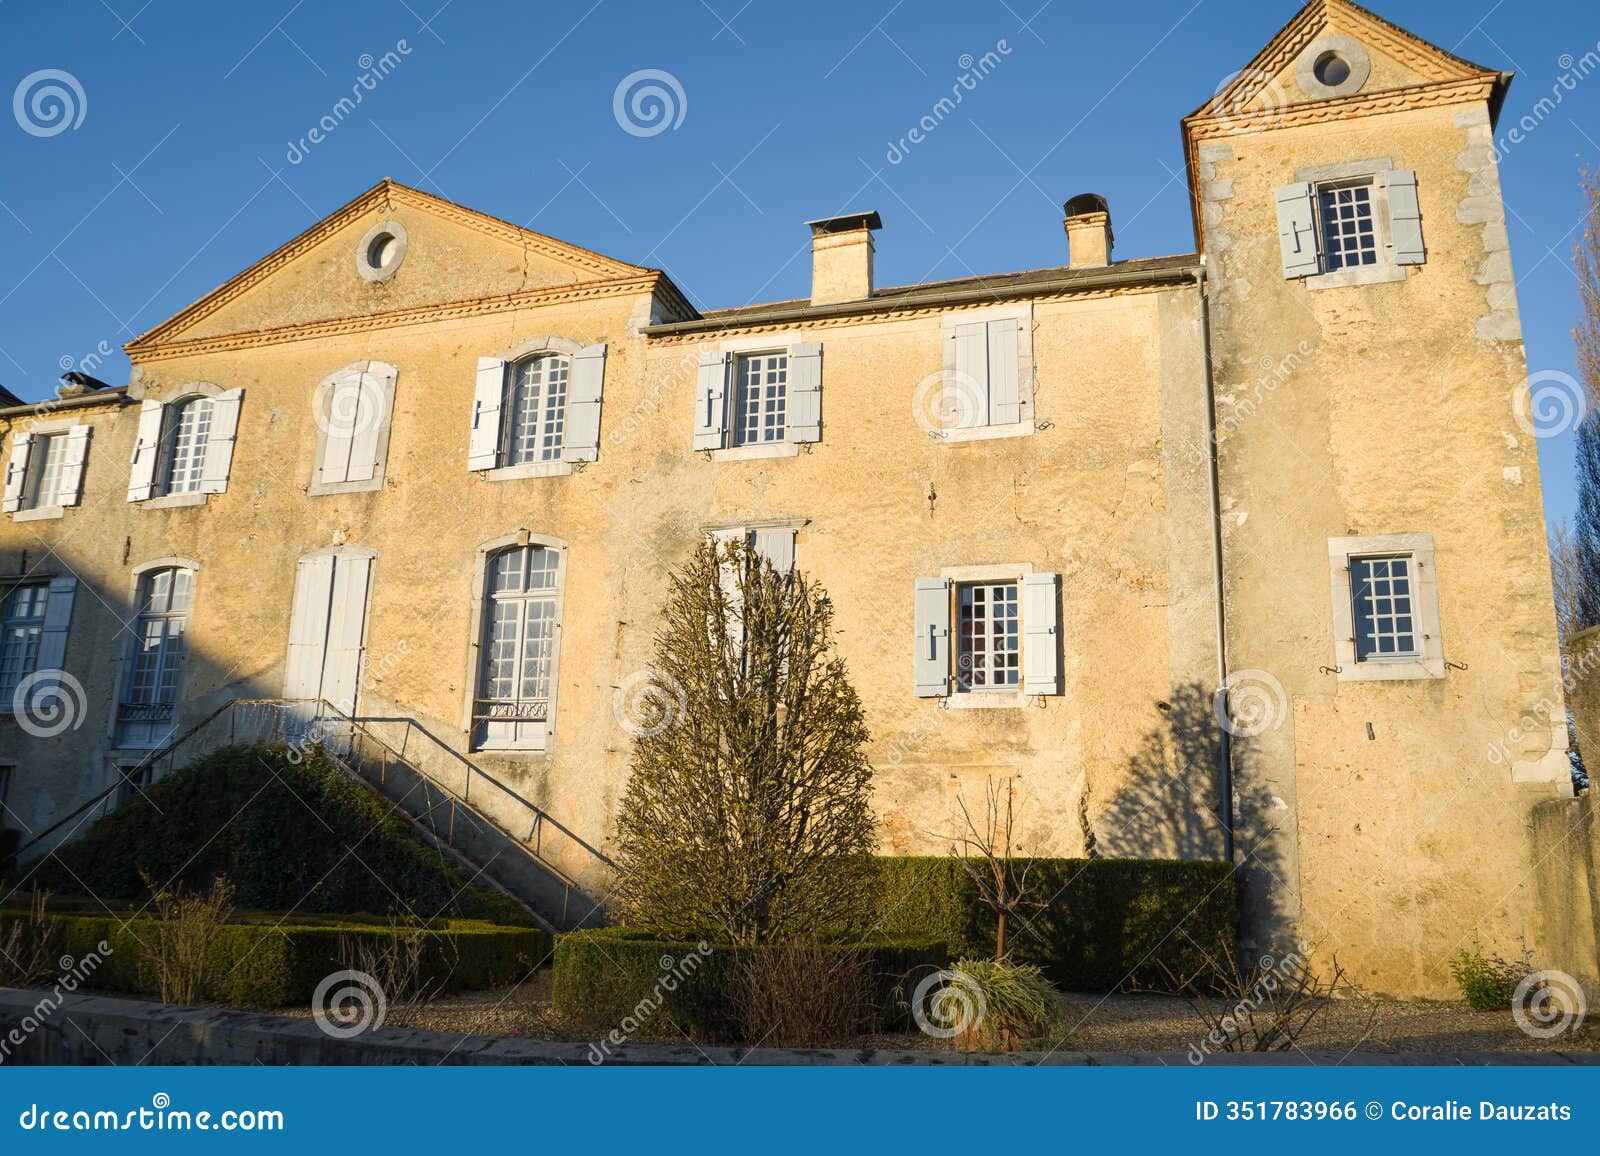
point(1171, 805)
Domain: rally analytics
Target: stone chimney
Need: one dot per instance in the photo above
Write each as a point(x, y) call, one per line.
point(1089, 237)
point(841, 258)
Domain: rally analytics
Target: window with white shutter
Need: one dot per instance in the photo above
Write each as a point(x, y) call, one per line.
point(536, 410)
point(354, 413)
point(987, 384)
point(183, 449)
point(755, 400)
point(45, 471)
point(1350, 224)
point(987, 636)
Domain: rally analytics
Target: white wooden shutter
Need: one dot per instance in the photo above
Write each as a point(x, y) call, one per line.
point(52, 654)
point(581, 441)
point(1009, 395)
point(343, 413)
point(219, 441)
point(308, 627)
point(70, 490)
point(728, 579)
point(1405, 218)
point(966, 387)
point(805, 392)
point(146, 448)
point(1041, 634)
point(483, 450)
point(777, 547)
point(932, 654)
point(347, 623)
point(711, 401)
point(1297, 230)
point(374, 397)
point(17, 471)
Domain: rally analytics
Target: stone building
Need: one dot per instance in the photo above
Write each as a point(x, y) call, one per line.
point(433, 469)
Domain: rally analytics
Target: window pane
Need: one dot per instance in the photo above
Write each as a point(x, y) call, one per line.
point(1381, 602)
point(42, 488)
point(19, 637)
point(761, 385)
point(519, 651)
point(536, 410)
point(1348, 234)
point(988, 654)
point(186, 437)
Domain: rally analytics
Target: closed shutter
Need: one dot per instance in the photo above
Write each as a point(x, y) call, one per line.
point(805, 392)
point(728, 579)
point(966, 386)
point(1297, 230)
point(483, 450)
point(581, 441)
point(17, 471)
point(308, 627)
point(347, 624)
point(1405, 218)
point(711, 401)
point(343, 416)
point(932, 658)
point(219, 441)
point(1010, 398)
point(57, 622)
point(70, 490)
point(1041, 639)
point(146, 448)
point(777, 547)
point(374, 397)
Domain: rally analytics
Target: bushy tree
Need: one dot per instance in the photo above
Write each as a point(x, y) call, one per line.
point(748, 816)
point(1584, 564)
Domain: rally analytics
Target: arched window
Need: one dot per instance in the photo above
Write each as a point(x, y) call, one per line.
point(519, 643)
point(151, 687)
point(183, 446)
point(535, 410)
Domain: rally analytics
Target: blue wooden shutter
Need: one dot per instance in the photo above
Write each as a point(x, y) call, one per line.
point(805, 392)
point(1297, 230)
point(711, 401)
point(581, 442)
point(1405, 218)
point(932, 644)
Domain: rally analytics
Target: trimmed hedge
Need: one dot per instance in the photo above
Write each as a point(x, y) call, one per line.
point(1110, 924)
point(612, 978)
point(262, 964)
point(280, 829)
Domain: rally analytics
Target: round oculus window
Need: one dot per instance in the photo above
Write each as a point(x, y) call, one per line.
point(1331, 69)
point(381, 250)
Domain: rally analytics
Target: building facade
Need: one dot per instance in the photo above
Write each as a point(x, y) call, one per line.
point(1237, 553)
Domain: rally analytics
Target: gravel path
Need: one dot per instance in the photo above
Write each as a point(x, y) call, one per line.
point(1121, 1023)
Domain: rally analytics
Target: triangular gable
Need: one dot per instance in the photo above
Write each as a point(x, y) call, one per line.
point(1258, 84)
point(562, 261)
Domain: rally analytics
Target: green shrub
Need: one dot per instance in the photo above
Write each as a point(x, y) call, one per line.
point(290, 835)
point(996, 1005)
point(279, 964)
point(630, 981)
point(1487, 983)
point(1109, 924)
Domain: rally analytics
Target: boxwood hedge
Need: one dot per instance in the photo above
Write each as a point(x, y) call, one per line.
point(259, 961)
point(627, 980)
point(1109, 924)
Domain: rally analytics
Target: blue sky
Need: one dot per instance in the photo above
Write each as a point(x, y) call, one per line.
point(192, 157)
